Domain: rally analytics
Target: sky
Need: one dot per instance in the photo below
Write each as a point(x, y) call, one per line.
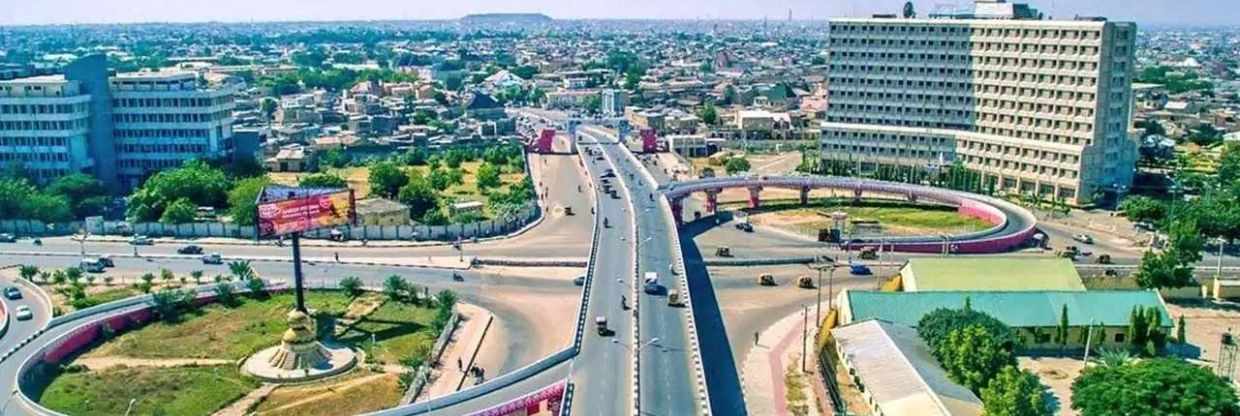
point(27, 12)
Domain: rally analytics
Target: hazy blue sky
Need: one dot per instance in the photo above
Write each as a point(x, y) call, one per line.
point(1213, 12)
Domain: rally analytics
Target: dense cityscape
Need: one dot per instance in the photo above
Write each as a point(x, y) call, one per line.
point(966, 209)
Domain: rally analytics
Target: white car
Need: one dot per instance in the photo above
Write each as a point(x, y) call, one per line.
point(1084, 238)
point(23, 313)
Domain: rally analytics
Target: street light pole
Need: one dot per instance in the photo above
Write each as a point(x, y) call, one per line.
point(804, 333)
point(1219, 260)
point(818, 306)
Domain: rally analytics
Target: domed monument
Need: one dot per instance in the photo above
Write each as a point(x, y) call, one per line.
point(298, 347)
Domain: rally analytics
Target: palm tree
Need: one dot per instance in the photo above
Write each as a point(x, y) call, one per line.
point(197, 275)
point(241, 269)
point(28, 272)
point(45, 276)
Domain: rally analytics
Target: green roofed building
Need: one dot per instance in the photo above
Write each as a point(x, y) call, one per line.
point(1035, 314)
point(990, 274)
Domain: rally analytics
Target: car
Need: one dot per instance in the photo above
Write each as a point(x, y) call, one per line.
point(91, 265)
point(213, 258)
point(24, 313)
point(744, 226)
point(7, 238)
point(190, 249)
point(650, 284)
point(859, 269)
point(141, 240)
point(1083, 238)
point(106, 261)
point(579, 280)
point(13, 293)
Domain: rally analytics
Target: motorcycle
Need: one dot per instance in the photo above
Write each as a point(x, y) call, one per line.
point(38, 242)
point(457, 277)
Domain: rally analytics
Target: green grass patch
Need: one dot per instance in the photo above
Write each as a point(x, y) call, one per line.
point(219, 332)
point(895, 217)
point(400, 330)
point(169, 391)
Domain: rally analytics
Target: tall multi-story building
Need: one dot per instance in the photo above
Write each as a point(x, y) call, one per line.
point(44, 125)
point(613, 102)
point(120, 129)
point(162, 119)
point(1034, 106)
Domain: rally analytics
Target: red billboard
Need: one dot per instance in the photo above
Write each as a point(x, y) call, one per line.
point(284, 211)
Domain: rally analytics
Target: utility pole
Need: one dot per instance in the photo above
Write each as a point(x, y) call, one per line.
point(804, 333)
point(1219, 260)
point(1089, 337)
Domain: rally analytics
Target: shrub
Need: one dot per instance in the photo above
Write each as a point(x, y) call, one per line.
point(258, 288)
point(351, 285)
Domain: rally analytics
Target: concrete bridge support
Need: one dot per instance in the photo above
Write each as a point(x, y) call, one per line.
point(712, 201)
point(678, 209)
point(804, 195)
point(755, 200)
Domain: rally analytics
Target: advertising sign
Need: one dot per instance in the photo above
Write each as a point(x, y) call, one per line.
point(284, 210)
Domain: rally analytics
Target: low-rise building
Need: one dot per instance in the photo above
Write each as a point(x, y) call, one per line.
point(926, 274)
point(379, 211)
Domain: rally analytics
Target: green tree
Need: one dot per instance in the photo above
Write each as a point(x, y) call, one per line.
point(439, 179)
point(169, 303)
point(736, 165)
point(420, 197)
point(1061, 333)
point(242, 199)
point(394, 287)
point(225, 295)
point(1015, 392)
point(936, 325)
point(85, 194)
point(27, 272)
point(708, 114)
point(351, 285)
point(445, 299)
point(488, 176)
point(335, 158)
point(1162, 270)
point(1181, 329)
point(241, 269)
point(257, 287)
point(1158, 386)
point(197, 276)
point(386, 179)
point(1229, 164)
point(322, 180)
point(1143, 209)
point(197, 181)
point(268, 107)
point(972, 356)
point(181, 211)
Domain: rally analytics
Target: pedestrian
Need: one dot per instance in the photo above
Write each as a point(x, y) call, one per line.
point(459, 365)
point(337, 257)
point(755, 338)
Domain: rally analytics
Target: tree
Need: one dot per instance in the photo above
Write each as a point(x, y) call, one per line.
point(322, 180)
point(351, 285)
point(736, 165)
point(85, 194)
point(420, 197)
point(386, 179)
point(1158, 386)
point(180, 211)
point(20, 199)
point(394, 287)
point(335, 158)
point(242, 199)
point(241, 269)
point(268, 108)
point(488, 176)
point(1015, 392)
point(197, 276)
point(1160, 270)
point(708, 114)
point(972, 356)
point(197, 181)
point(1181, 329)
point(169, 303)
point(257, 287)
point(1061, 333)
point(1143, 209)
point(439, 179)
point(225, 295)
point(1229, 164)
point(936, 325)
point(27, 272)
point(445, 299)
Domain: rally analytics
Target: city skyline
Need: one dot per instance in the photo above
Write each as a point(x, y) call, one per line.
point(1188, 12)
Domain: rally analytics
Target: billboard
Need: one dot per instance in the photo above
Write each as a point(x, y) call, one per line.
point(285, 210)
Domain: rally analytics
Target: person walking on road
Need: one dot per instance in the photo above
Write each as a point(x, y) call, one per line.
point(755, 338)
point(337, 257)
point(460, 366)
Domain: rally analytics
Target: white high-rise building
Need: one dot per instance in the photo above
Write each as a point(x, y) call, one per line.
point(163, 119)
point(44, 122)
point(1035, 106)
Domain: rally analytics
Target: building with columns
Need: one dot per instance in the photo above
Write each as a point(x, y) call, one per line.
point(1035, 106)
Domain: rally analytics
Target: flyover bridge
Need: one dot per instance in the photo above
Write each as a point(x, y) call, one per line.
point(1012, 225)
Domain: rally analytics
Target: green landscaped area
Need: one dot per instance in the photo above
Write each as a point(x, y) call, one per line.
point(339, 396)
point(894, 217)
point(158, 391)
point(400, 330)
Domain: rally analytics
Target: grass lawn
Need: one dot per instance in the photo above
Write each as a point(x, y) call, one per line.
point(169, 391)
point(218, 332)
point(359, 392)
point(896, 218)
point(358, 180)
point(401, 330)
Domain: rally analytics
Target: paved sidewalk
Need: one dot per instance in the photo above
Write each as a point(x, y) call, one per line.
point(767, 363)
point(463, 346)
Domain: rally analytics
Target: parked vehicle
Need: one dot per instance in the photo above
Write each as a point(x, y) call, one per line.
point(213, 258)
point(600, 325)
point(106, 261)
point(23, 313)
point(673, 299)
point(190, 249)
point(1103, 259)
point(650, 284)
point(1083, 238)
point(91, 266)
point(766, 280)
point(141, 240)
point(7, 238)
point(13, 293)
point(869, 253)
point(723, 252)
point(859, 269)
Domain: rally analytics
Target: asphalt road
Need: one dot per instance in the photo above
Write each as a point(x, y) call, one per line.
point(602, 372)
point(667, 380)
